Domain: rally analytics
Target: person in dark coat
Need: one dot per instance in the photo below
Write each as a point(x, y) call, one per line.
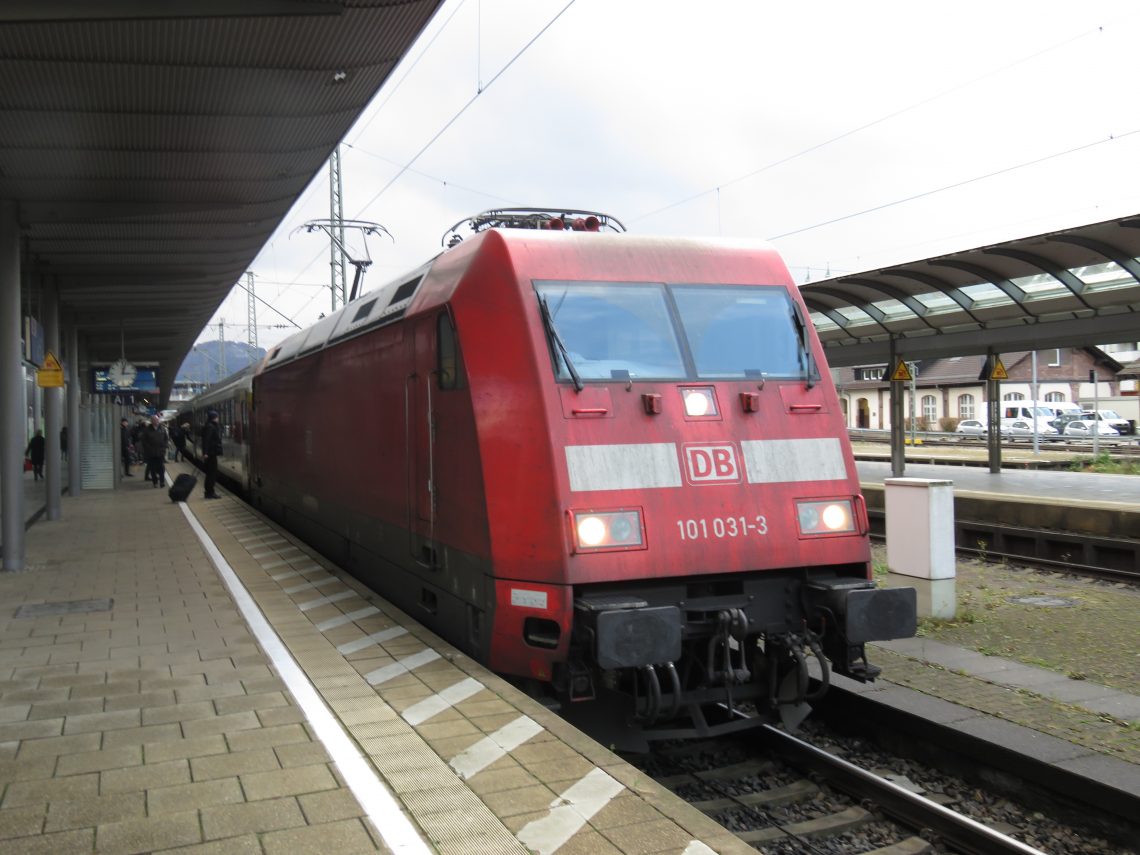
point(154, 443)
point(211, 451)
point(125, 446)
point(63, 442)
point(179, 433)
point(35, 453)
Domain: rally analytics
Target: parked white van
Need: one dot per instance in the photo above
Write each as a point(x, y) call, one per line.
point(1063, 408)
point(1110, 417)
point(1034, 412)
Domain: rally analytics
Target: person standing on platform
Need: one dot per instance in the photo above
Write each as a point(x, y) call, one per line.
point(178, 436)
point(63, 442)
point(154, 441)
point(35, 453)
point(137, 430)
point(211, 450)
point(125, 446)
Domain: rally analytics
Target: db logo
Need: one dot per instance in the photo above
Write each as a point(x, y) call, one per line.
point(711, 464)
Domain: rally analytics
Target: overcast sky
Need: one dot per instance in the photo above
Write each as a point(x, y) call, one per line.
point(851, 135)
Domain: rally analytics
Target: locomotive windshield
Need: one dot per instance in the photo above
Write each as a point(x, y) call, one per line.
point(612, 330)
point(671, 332)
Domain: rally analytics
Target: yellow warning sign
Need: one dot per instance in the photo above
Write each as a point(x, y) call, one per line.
point(901, 373)
point(50, 374)
point(998, 371)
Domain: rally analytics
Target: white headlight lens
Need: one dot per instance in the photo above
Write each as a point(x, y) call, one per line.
point(608, 530)
point(591, 531)
point(836, 518)
point(699, 402)
point(825, 517)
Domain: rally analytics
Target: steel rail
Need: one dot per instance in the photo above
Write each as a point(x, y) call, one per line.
point(1095, 571)
point(1124, 446)
point(919, 813)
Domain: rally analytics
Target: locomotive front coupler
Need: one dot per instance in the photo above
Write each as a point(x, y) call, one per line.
point(853, 611)
point(732, 629)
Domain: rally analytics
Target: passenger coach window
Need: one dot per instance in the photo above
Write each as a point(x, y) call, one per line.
point(450, 365)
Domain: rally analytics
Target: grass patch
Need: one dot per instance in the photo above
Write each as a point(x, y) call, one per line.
point(930, 625)
point(1105, 464)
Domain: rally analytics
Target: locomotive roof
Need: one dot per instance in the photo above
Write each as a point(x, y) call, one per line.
point(390, 302)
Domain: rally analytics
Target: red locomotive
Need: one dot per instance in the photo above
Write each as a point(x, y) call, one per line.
point(611, 464)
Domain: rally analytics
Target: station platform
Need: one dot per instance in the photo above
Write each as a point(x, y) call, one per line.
point(1041, 664)
point(1045, 664)
point(188, 677)
point(1030, 485)
point(191, 678)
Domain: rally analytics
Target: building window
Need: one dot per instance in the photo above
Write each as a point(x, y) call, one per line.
point(1054, 396)
point(1056, 359)
point(874, 372)
point(1013, 396)
point(965, 406)
point(929, 409)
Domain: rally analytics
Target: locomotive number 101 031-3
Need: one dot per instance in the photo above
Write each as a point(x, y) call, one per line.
point(722, 527)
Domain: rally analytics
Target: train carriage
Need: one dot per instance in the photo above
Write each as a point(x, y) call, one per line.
point(231, 399)
point(610, 464)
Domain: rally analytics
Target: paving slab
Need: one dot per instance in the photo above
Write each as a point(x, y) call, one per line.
point(150, 699)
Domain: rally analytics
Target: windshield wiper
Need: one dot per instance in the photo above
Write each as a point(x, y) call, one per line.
point(552, 331)
point(805, 346)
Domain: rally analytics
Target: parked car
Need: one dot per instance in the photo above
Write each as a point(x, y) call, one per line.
point(971, 427)
point(1064, 408)
point(1020, 428)
point(1061, 421)
point(1088, 427)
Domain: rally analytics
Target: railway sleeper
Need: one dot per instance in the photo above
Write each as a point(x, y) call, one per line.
point(847, 819)
point(910, 846)
point(775, 797)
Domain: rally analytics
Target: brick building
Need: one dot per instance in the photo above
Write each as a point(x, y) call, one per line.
point(949, 389)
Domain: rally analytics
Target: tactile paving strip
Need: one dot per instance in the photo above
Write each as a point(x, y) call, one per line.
point(500, 775)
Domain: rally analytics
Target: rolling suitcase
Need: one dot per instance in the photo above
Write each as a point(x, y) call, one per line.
point(183, 486)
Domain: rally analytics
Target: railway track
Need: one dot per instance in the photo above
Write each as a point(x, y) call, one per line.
point(801, 799)
point(1118, 446)
point(1111, 559)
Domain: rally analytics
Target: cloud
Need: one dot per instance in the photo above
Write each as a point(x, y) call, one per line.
point(743, 119)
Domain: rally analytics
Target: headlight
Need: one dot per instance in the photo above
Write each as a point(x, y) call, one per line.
point(594, 530)
point(825, 517)
point(700, 402)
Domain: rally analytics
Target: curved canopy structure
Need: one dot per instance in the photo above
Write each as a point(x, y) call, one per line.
point(1062, 289)
point(152, 147)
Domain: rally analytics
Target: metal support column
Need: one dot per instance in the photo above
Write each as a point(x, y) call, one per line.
point(12, 429)
point(993, 415)
point(898, 425)
point(53, 406)
point(336, 230)
point(74, 431)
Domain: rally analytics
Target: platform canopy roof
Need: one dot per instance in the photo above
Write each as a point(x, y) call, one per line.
point(1069, 288)
point(154, 146)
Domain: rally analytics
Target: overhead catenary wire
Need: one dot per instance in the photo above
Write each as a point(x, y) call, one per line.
point(442, 181)
point(463, 109)
point(360, 131)
point(867, 125)
point(405, 167)
point(956, 184)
